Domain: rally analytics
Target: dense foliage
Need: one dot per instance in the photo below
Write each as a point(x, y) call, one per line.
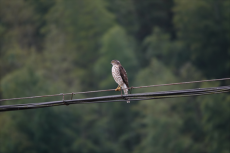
point(59, 46)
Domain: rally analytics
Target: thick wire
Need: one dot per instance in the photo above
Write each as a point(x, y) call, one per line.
point(73, 93)
point(119, 98)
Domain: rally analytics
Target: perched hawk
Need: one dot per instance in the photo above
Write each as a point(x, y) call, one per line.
point(120, 76)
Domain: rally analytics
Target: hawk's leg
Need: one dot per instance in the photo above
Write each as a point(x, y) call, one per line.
point(118, 88)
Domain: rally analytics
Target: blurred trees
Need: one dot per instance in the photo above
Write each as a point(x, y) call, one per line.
point(60, 46)
point(76, 26)
point(204, 27)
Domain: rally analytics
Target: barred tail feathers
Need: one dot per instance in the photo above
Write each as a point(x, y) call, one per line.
point(125, 90)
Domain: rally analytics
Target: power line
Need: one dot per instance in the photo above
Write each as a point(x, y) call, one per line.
point(179, 83)
point(73, 93)
point(118, 98)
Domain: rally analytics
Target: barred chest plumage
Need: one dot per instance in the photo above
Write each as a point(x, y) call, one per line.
point(116, 75)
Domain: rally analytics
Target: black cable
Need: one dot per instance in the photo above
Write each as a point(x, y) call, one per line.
point(119, 98)
point(85, 92)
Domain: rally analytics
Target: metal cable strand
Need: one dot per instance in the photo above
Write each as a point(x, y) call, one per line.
point(61, 94)
point(118, 98)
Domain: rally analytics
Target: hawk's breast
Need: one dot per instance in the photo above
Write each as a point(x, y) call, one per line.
point(116, 75)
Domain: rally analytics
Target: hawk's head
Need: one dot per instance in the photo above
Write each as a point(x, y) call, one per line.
point(115, 62)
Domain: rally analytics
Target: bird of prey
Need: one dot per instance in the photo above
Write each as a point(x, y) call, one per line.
point(120, 76)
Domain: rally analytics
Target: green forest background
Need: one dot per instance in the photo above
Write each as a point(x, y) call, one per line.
point(60, 46)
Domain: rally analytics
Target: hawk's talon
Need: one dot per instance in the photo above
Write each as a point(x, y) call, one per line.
point(118, 88)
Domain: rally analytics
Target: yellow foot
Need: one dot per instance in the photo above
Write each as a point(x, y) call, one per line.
point(118, 88)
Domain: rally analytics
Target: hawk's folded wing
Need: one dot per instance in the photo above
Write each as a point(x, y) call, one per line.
point(124, 75)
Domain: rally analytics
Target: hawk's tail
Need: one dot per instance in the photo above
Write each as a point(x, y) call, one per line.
point(125, 91)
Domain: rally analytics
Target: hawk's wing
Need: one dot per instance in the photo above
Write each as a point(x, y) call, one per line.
point(124, 75)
